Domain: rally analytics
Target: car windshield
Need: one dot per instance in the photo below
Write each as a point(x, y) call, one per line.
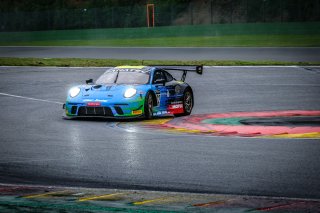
point(124, 76)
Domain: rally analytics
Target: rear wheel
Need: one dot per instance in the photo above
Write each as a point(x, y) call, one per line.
point(187, 102)
point(148, 105)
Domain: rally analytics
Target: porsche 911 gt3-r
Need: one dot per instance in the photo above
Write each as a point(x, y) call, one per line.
point(132, 91)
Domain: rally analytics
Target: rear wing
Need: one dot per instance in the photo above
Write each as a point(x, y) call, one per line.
point(184, 68)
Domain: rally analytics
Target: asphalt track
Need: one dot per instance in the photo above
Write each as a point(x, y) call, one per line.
point(38, 147)
point(290, 54)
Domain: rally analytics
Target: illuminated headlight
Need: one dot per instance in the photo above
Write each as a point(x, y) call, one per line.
point(74, 91)
point(130, 92)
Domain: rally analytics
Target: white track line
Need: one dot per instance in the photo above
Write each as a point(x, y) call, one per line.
point(252, 66)
point(155, 47)
point(28, 98)
point(54, 67)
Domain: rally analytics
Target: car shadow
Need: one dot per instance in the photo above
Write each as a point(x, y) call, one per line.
point(127, 120)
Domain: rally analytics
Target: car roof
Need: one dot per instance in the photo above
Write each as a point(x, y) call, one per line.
point(131, 67)
point(142, 68)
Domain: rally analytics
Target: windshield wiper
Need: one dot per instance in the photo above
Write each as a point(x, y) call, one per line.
point(115, 81)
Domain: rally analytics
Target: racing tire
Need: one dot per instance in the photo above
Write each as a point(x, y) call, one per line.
point(187, 103)
point(148, 106)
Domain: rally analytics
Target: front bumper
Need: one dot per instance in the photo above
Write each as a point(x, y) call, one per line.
point(104, 109)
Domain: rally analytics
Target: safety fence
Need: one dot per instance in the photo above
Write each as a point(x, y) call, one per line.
point(191, 13)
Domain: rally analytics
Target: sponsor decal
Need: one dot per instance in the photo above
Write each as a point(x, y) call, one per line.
point(94, 104)
point(175, 102)
point(136, 112)
point(165, 112)
point(175, 108)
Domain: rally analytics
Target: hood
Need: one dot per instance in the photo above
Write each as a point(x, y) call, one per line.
point(103, 91)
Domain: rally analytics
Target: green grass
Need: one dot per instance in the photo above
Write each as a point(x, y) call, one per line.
point(215, 41)
point(218, 35)
point(77, 62)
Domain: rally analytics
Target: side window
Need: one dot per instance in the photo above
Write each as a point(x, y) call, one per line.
point(168, 76)
point(158, 75)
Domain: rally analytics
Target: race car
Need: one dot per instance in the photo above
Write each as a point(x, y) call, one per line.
point(133, 91)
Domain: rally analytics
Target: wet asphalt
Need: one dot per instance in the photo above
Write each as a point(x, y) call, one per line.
point(38, 147)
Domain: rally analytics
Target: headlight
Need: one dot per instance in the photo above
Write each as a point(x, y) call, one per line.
point(74, 91)
point(130, 92)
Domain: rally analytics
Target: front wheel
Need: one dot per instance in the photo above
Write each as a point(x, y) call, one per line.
point(148, 105)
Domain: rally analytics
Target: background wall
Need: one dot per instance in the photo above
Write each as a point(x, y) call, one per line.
point(35, 15)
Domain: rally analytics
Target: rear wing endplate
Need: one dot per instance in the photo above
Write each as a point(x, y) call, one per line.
point(184, 68)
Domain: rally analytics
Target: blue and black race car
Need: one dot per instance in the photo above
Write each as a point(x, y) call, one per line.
point(133, 91)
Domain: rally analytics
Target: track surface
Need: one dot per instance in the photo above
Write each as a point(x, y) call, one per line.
point(38, 147)
point(291, 54)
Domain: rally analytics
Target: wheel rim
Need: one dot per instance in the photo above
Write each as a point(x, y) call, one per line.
point(188, 102)
point(150, 105)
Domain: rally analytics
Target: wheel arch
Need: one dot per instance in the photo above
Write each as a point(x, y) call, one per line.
point(154, 98)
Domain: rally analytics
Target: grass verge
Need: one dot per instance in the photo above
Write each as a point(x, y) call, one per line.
point(305, 34)
point(211, 41)
point(78, 62)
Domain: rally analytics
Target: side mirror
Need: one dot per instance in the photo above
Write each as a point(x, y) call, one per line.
point(160, 81)
point(89, 81)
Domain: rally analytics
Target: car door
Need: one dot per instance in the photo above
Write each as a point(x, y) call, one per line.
point(159, 86)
